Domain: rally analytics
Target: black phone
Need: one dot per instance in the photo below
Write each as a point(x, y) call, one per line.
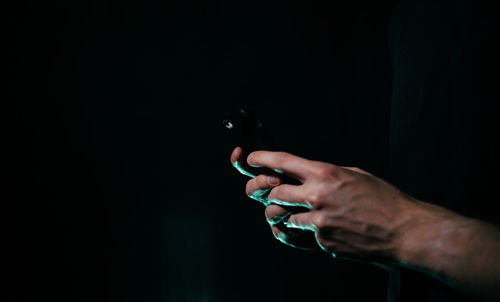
point(246, 130)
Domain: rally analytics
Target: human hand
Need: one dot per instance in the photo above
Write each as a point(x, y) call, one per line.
point(352, 213)
point(356, 215)
point(276, 214)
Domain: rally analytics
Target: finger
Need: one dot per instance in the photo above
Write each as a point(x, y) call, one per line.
point(276, 213)
point(257, 188)
point(237, 160)
point(236, 154)
point(289, 195)
point(292, 165)
point(262, 182)
point(295, 238)
point(261, 196)
point(304, 221)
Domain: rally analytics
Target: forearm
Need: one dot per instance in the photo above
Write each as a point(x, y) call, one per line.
point(463, 252)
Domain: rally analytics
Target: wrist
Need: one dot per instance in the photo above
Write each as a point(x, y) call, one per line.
point(433, 238)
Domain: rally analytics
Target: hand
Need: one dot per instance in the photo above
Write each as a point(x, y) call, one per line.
point(258, 189)
point(355, 215)
point(351, 212)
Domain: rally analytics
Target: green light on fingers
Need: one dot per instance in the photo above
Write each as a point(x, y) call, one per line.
point(238, 167)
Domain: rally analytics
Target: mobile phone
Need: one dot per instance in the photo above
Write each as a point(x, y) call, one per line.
point(246, 130)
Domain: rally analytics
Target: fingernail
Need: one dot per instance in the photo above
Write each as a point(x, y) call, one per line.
point(249, 157)
point(272, 180)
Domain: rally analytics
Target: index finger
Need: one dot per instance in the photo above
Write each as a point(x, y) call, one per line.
point(238, 161)
point(297, 167)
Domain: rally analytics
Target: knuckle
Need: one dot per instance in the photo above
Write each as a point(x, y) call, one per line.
point(319, 221)
point(326, 171)
point(313, 198)
point(316, 199)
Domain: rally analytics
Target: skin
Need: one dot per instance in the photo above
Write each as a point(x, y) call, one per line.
point(353, 214)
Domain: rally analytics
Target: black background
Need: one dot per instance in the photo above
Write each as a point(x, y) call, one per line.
point(116, 175)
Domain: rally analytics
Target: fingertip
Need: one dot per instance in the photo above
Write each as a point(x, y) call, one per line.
point(249, 158)
point(275, 213)
point(236, 154)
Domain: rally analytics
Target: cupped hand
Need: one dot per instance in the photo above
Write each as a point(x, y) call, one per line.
point(258, 188)
point(351, 212)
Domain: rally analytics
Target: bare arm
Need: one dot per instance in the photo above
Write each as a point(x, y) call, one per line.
point(462, 252)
